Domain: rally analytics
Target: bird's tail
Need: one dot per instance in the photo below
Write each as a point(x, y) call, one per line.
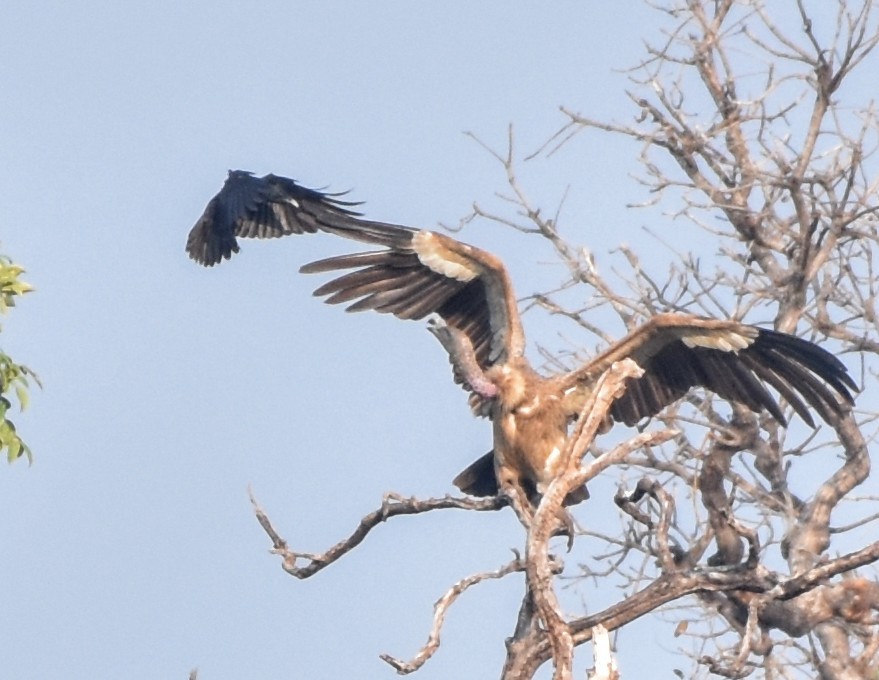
point(479, 479)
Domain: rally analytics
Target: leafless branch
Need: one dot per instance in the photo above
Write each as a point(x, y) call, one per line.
point(392, 506)
point(440, 608)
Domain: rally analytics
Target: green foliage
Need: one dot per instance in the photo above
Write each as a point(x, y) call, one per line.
point(14, 378)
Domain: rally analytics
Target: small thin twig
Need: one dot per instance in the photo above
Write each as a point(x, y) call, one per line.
point(652, 488)
point(440, 607)
point(752, 626)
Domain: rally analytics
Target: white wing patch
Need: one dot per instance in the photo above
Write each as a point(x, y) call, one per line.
point(440, 260)
point(728, 342)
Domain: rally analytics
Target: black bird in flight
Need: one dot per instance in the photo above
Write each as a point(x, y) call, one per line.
point(416, 273)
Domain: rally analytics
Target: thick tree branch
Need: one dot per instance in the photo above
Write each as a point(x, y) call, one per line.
point(672, 586)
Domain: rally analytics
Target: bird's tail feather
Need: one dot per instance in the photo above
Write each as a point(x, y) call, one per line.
point(479, 479)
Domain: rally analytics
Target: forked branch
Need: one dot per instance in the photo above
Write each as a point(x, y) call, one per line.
point(440, 608)
point(392, 506)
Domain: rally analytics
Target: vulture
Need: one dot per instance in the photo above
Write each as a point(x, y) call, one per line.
point(469, 299)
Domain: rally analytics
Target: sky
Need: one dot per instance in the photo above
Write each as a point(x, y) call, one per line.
point(129, 548)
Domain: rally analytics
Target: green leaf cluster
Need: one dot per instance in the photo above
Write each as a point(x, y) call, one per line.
point(15, 379)
point(11, 286)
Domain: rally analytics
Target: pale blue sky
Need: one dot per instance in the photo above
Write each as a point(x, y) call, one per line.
point(129, 548)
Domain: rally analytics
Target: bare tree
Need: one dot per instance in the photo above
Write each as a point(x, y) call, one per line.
point(747, 536)
point(750, 130)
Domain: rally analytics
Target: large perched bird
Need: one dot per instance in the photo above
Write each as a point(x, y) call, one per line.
point(416, 273)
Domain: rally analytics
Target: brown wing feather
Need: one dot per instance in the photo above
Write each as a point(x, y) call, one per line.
point(419, 273)
point(733, 360)
point(430, 273)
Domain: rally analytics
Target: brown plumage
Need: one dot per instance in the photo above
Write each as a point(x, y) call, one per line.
point(417, 273)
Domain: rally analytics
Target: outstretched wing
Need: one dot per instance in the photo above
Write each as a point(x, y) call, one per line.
point(416, 273)
point(735, 361)
point(256, 207)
